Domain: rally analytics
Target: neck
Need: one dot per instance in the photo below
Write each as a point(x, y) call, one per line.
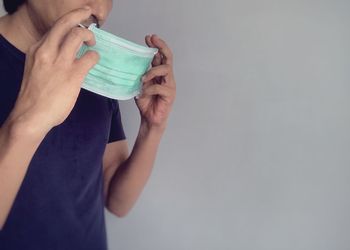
point(20, 28)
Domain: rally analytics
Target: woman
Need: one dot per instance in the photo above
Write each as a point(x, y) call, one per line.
point(63, 151)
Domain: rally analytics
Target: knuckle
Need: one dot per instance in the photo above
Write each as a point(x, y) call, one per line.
point(42, 55)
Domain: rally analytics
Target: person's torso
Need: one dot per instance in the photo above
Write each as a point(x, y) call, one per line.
point(60, 202)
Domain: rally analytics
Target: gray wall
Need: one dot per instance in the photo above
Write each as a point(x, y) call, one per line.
point(2, 12)
point(256, 155)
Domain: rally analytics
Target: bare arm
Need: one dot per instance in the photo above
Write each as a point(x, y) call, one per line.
point(51, 84)
point(131, 175)
point(18, 143)
point(155, 103)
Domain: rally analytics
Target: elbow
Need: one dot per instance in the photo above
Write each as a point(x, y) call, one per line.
point(117, 212)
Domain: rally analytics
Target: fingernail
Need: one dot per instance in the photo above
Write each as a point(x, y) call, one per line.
point(143, 78)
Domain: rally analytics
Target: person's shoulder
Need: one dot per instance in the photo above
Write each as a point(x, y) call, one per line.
point(10, 55)
point(2, 23)
point(6, 60)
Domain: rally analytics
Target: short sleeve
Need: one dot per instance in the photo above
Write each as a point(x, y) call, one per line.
point(117, 131)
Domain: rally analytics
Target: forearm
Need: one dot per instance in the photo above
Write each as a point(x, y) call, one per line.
point(18, 144)
point(129, 180)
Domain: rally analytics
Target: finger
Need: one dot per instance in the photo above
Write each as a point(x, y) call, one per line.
point(156, 89)
point(75, 38)
point(148, 41)
point(157, 60)
point(64, 25)
point(33, 50)
point(161, 70)
point(85, 63)
point(147, 83)
point(163, 48)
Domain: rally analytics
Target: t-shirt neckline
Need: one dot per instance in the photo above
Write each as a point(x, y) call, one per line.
point(12, 49)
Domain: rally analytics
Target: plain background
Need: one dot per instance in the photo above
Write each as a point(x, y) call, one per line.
point(256, 155)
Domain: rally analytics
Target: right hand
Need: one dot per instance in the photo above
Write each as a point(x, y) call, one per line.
point(53, 75)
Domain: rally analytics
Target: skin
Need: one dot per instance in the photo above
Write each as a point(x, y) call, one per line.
point(46, 30)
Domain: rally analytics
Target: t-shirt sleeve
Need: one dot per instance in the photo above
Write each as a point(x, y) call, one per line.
point(117, 131)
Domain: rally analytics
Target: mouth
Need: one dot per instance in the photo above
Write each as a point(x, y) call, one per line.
point(92, 19)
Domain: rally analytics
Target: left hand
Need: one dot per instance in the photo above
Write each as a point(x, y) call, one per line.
point(159, 86)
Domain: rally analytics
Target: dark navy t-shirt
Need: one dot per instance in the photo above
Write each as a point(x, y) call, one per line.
point(60, 202)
